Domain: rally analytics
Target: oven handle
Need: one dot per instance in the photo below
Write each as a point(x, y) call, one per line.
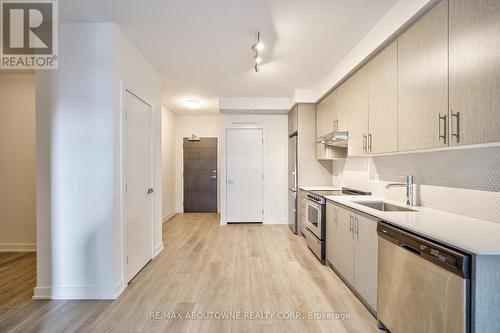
point(311, 236)
point(314, 204)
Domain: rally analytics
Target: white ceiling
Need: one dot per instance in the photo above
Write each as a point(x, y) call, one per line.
point(202, 48)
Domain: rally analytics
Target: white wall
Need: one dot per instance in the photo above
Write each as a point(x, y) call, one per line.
point(76, 104)
point(275, 163)
point(168, 163)
point(185, 126)
point(17, 163)
point(79, 161)
point(465, 181)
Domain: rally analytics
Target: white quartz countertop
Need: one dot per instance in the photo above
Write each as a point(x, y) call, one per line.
point(320, 188)
point(464, 233)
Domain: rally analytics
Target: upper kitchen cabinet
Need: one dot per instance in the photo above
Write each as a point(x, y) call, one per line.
point(326, 122)
point(354, 106)
point(326, 114)
point(474, 71)
point(293, 120)
point(310, 170)
point(382, 136)
point(423, 81)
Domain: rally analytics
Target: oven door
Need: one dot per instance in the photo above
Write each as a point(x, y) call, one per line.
point(314, 218)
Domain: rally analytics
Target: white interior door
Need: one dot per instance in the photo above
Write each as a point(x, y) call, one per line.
point(138, 180)
point(244, 175)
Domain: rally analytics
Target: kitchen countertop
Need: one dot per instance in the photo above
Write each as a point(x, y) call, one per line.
point(320, 188)
point(464, 233)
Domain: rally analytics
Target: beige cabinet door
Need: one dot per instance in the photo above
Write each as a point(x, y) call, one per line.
point(321, 110)
point(366, 259)
point(356, 106)
point(383, 101)
point(321, 114)
point(342, 245)
point(475, 71)
point(326, 120)
point(423, 81)
point(341, 107)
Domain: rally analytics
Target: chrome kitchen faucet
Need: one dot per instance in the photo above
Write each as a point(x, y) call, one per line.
point(409, 189)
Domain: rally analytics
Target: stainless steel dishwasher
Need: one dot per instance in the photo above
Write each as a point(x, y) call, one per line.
point(422, 286)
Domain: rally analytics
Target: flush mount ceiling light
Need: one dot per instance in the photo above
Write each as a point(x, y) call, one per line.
point(257, 48)
point(192, 103)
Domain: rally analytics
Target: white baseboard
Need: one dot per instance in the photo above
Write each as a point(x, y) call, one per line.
point(42, 293)
point(119, 288)
point(169, 216)
point(158, 249)
point(74, 293)
point(8, 247)
point(68, 293)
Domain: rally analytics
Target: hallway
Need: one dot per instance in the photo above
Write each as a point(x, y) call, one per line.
point(205, 268)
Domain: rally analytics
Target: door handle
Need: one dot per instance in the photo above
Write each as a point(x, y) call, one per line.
point(443, 136)
point(357, 227)
point(150, 191)
point(351, 225)
point(457, 117)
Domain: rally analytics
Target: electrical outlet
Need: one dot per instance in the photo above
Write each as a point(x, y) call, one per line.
point(72, 185)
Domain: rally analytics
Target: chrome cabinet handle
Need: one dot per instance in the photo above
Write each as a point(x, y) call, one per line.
point(443, 136)
point(457, 121)
point(357, 228)
point(351, 226)
point(364, 143)
point(369, 143)
point(335, 215)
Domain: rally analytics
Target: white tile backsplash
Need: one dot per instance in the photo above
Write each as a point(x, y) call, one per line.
point(465, 182)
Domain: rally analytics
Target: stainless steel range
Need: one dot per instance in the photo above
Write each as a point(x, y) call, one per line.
point(314, 229)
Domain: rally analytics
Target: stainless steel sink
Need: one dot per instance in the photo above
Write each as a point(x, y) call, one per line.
point(384, 206)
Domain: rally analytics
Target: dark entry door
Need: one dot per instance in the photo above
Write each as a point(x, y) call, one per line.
point(200, 175)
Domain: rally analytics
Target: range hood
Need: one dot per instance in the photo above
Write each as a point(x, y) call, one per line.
point(335, 138)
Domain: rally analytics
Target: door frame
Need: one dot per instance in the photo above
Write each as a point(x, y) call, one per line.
point(223, 178)
point(126, 88)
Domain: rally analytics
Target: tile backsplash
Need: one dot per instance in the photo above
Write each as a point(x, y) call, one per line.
point(465, 181)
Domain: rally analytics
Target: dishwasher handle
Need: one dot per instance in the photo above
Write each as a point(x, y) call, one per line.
point(409, 248)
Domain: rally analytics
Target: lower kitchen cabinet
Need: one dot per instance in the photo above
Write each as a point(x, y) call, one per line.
point(339, 241)
point(366, 259)
point(352, 250)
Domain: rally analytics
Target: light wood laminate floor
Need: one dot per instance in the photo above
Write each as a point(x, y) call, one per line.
point(207, 269)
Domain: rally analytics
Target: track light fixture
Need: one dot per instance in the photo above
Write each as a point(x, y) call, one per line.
point(257, 48)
